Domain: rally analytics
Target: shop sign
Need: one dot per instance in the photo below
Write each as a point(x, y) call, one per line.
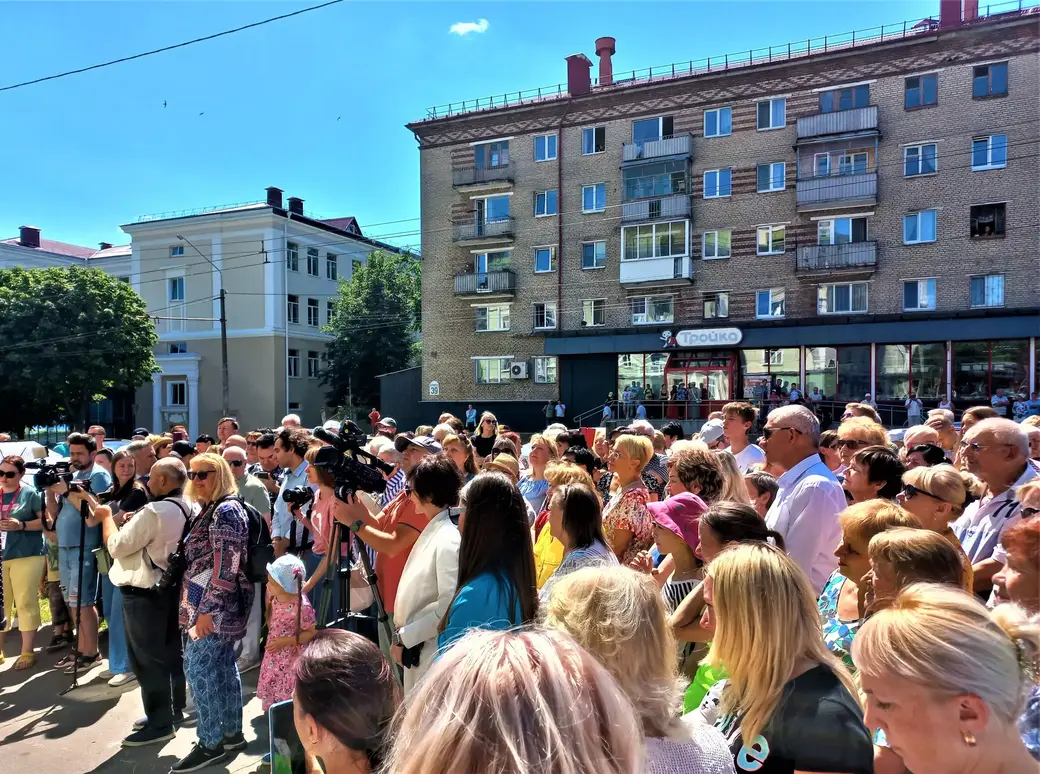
point(703, 337)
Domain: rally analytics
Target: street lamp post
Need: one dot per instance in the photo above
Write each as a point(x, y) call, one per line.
point(223, 329)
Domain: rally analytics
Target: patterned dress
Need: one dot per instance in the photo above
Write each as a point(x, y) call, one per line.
point(627, 510)
point(837, 634)
point(277, 671)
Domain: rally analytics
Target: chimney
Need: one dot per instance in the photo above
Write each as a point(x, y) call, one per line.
point(295, 205)
point(971, 10)
point(29, 236)
point(949, 13)
point(274, 197)
point(104, 246)
point(578, 78)
point(605, 50)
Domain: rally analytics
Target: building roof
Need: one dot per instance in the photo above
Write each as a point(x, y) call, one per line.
point(58, 248)
point(119, 251)
point(344, 224)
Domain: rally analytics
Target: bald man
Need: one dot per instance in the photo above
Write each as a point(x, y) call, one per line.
point(291, 420)
point(237, 441)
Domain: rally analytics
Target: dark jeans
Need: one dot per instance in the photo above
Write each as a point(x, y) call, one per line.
point(153, 643)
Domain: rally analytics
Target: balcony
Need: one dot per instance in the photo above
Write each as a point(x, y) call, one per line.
point(500, 230)
point(679, 145)
point(660, 270)
point(855, 121)
point(483, 177)
point(674, 207)
point(849, 255)
point(499, 282)
point(824, 192)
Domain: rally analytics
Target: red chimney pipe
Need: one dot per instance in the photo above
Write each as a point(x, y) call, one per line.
point(949, 13)
point(971, 10)
point(604, 50)
point(579, 81)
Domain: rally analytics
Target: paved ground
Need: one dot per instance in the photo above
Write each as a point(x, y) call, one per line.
point(80, 732)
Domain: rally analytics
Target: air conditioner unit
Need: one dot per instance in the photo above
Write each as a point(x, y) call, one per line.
point(518, 369)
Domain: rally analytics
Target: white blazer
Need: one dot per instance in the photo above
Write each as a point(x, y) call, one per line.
point(427, 586)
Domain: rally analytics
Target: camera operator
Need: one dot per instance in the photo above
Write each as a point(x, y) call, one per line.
point(63, 504)
point(290, 446)
point(267, 470)
point(153, 640)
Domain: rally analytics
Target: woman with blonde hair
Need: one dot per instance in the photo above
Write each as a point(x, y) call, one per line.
point(626, 520)
point(733, 487)
point(858, 433)
point(945, 680)
point(788, 700)
point(484, 439)
point(901, 557)
point(516, 703)
point(459, 448)
point(534, 486)
point(618, 616)
point(548, 549)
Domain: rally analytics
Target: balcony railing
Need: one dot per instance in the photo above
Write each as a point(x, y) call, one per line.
point(489, 229)
point(820, 192)
point(679, 145)
point(500, 174)
point(498, 281)
point(661, 207)
point(862, 119)
point(849, 255)
point(656, 269)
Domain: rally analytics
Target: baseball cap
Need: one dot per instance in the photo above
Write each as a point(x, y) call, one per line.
point(143, 431)
point(182, 449)
point(505, 463)
point(332, 426)
point(711, 431)
point(287, 570)
point(427, 442)
point(680, 515)
point(387, 422)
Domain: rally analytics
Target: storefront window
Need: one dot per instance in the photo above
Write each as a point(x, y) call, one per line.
point(853, 373)
point(654, 372)
point(1009, 366)
point(928, 370)
point(971, 370)
point(768, 374)
point(893, 371)
point(629, 371)
point(980, 368)
point(821, 370)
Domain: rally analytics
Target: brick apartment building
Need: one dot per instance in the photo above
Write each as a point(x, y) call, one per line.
point(858, 214)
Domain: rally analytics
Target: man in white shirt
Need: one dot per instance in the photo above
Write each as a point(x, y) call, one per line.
point(809, 497)
point(290, 446)
point(868, 400)
point(999, 402)
point(795, 395)
point(737, 420)
point(913, 407)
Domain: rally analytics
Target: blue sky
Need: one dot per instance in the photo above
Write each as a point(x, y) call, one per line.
point(315, 104)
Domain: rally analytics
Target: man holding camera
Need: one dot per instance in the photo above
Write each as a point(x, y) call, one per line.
point(79, 577)
point(145, 542)
point(290, 446)
point(266, 470)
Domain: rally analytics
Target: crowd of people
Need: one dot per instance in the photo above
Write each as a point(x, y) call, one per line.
point(632, 601)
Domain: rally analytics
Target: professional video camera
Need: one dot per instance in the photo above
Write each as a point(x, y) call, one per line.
point(298, 496)
point(352, 468)
point(50, 473)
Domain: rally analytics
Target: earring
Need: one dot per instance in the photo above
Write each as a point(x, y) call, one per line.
point(969, 738)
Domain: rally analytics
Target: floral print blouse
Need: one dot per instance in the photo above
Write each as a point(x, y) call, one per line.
point(627, 510)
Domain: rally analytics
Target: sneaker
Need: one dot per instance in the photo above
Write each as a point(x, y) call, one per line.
point(107, 674)
point(235, 742)
point(59, 642)
point(118, 681)
point(246, 665)
point(178, 721)
point(85, 663)
point(147, 735)
point(199, 758)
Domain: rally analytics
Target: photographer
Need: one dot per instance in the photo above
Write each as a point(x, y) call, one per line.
point(266, 470)
point(290, 446)
point(75, 558)
point(145, 541)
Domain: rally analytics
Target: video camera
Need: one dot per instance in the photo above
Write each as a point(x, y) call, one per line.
point(50, 473)
point(352, 468)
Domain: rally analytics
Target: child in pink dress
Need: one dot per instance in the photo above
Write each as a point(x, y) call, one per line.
point(290, 626)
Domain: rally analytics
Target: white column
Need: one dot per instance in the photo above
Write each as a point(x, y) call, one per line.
point(1032, 367)
point(216, 255)
point(873, 372)
point(801, 371)
point(949, 370)
point(193, 407)
point(157, 403)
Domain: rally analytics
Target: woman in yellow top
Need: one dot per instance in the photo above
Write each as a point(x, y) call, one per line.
point(548, 551)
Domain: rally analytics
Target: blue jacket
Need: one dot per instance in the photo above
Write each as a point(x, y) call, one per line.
point(483, 603)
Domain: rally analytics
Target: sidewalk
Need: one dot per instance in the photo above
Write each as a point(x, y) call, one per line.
point(80, 732)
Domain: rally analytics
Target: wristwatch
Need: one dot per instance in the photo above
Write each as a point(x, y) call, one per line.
point(356, 526)
point(396, 639)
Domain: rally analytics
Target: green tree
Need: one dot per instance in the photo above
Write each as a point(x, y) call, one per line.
point(68, 337)
point(374, 321)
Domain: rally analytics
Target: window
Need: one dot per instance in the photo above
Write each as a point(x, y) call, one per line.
point(716, 244)
point(843, 298)
point(492, 209)
point(594, 313)
point(990, 80)
point(293, 308)
point(312, 313)
point(177, 348)
point(987, 291)
point(821, 164)
point(175, 289)
point(655, 240)
point(844, 99)
point(492, 318)
point(294, 406)
point(852, 163)
point(594, 197)
point(329, 311)
point(717, 183)
point(652, 310)
point(989, 152)
point(594, 255)
point(492, 370)
point(313, 364)
point(716, 306)
point(176, 393)
point(718, 122)
point(292, 363)
point(544, 259)
point(545, 147)
point(331, 267)
point(660, 178)
point(545, 203)
point(292, 256)
point(770, 303)
point(312, 261)
point(545, 370)
point(545, 316)
point(593, 140)
point(176, 251)
point(772, 114)
point(919, 227)
point(921, 90)
point(918, 295)
point(491, 154)
point(771, 177)
point(839, 231)
point(651, 129)
point(771, 240)
point(987, 220)
point(919, 160)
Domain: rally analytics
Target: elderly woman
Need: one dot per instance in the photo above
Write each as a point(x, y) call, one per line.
point(215, 599)
point(874, 472)
point(626, 520)
point(858, 433)
point(534, 486)
point(698, 471)
point(21, 520)
point(575, 516)
point(903, 556)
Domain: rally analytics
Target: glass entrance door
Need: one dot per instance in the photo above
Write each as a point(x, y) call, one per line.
point(702, 382)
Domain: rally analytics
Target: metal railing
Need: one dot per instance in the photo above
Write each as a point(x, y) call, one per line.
point(497, 281)
point(860, 187)
point(488, 229)
point(476, 176)
point(848, 255)
point(678, 145)
point(794, 50)
point(838, 122)
point(668, 207)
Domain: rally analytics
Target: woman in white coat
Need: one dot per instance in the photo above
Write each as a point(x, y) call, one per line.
point(430, 575)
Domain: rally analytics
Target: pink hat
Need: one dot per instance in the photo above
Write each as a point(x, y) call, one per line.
point(680, 514)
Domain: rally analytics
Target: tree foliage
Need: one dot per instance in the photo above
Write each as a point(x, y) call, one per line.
point(68, 337)
point(374, 321)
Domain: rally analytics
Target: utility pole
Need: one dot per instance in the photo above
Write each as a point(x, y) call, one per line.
point(223, 329)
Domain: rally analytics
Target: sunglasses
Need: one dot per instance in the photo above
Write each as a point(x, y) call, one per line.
point(767, 432)
point(850, 443)
point(236, 463)
point(909, 491)
point(201, 475)
point(976, 447)
point(1026, 513)
point(8, 473)
point(490, 421)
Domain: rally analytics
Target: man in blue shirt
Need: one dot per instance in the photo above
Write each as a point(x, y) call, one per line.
point(471, 419)
point(63, 505)
point(290, 446)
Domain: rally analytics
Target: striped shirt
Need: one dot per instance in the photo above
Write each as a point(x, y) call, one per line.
point(394, 484)
point(674, 592)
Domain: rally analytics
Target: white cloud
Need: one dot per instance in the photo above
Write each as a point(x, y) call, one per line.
point(465, 28)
